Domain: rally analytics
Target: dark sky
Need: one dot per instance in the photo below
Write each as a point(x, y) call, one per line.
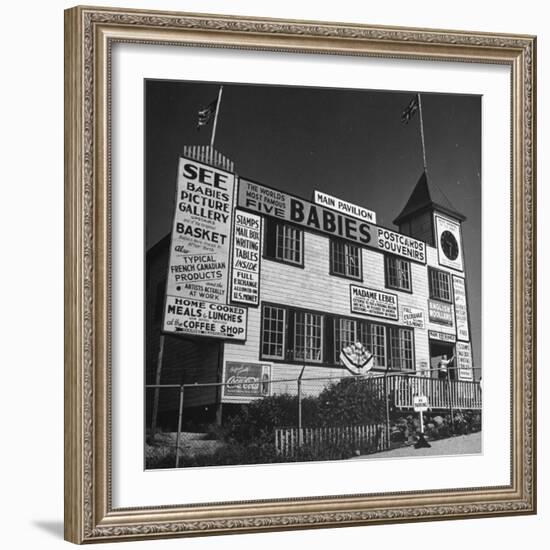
point(349, 143)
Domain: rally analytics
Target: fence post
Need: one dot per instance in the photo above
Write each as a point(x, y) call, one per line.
point(450, 397)
point(300, 437)
point(387, 397)
point(180, 415)
point(156, 395)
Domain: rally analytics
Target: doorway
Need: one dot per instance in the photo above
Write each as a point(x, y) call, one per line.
point(437, 351)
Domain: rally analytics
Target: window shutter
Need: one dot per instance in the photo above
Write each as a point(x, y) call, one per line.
point(270, 231)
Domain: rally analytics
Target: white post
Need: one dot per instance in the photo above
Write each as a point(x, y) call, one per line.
point(216, 117)
point(422, 132)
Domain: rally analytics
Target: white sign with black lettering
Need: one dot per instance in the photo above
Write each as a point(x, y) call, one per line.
point(368, 301)
point(412, 316)
point(260, 199)
point(198, 267)
point(420, 403)
point(440, 313)
point(464, 361)
point(245, 282)
point(345, 207)
point(461, 309)
point(443, 336)
point(202, 318)
point(449, 243)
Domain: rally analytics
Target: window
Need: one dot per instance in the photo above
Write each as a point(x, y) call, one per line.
point(273, 332)
point(345, 259)
point(308, 337)
point(440, 285)
point(283, 242)
point(376, 344)
point(398, 273)
point(347, 332)
point(392, 347)
point(401, 348)
point(296, 336)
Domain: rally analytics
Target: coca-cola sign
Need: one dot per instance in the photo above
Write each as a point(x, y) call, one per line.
point(250, 380)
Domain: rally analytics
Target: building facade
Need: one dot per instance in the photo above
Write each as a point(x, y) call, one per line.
point(284, 284)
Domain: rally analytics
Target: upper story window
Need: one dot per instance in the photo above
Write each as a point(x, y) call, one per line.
point(345, 259)
point(284, 242)
point(440, 284)
point(398, 273)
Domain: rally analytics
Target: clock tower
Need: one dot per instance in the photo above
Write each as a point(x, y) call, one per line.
point(429, 216)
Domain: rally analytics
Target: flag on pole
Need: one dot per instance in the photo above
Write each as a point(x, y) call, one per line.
point(410, 110)
point(206, 114)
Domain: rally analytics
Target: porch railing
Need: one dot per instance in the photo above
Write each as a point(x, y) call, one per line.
point(442, 394)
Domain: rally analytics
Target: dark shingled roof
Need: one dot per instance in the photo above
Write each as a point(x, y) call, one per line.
point(427, 195)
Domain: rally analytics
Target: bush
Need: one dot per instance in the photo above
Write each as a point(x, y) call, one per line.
point(351, 402)
point(256, 422)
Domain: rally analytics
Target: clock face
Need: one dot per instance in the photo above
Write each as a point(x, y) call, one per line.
point(449, 245)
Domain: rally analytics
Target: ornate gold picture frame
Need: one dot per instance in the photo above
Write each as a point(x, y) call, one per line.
point(90, 35)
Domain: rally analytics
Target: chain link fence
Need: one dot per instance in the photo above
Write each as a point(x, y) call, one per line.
point(305, 418)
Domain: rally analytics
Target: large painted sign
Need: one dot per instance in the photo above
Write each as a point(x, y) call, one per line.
point(449, 243)
point(245, 282)
point(440, 313)
point(344, 207)
point(461, 309)
point(259, 199)
point(198, 268)
point(201, 318)
point(368, 301)
point(464, 361)
point(412, 316)
point(246, 380)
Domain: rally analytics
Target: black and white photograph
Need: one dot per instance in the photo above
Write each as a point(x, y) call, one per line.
point(313, 274)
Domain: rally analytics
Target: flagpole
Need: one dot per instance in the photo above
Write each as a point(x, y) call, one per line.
point(422, 132)
point(216, 117)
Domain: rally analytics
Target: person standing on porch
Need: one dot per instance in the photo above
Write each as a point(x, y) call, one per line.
point(443, 366)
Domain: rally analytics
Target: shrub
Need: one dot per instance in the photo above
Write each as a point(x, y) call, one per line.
point(255, 422)
point(351, 402)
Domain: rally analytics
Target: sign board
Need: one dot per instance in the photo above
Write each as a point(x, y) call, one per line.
point(464, 363)
point(461, 309)
point(245, 280)
point(449, 243)
point(246, 380)
point(440, 313)
point(202, 318)
point(423, 368)
point(443, 336)
point(198, 267)
point(412, 316)
point(343, 206)
point(368, 301)
point(260, 199)
point(420, 403)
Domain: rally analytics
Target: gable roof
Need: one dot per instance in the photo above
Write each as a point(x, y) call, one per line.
point(425, 195)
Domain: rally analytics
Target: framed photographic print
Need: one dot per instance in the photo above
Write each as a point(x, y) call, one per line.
point(300, 281)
